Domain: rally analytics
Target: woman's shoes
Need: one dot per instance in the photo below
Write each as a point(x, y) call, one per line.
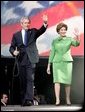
point(68, 104)
point(57, 103)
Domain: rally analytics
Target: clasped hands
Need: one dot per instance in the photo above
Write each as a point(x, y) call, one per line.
point(16, 52)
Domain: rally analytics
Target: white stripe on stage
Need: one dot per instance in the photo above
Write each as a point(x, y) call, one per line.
point(42, 108)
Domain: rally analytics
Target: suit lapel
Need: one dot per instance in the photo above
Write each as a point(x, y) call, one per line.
point(20, 35)
point(29, 36)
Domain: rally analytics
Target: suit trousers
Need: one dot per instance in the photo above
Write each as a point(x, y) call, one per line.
point(26, 75)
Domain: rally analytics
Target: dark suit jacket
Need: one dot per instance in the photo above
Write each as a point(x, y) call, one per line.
point(31, 49)
point(3, 104)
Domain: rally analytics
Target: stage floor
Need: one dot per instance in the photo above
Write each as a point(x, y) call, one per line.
point(42, 108)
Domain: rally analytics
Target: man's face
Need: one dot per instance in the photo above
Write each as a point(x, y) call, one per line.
point(25, 24)
point(5, 98)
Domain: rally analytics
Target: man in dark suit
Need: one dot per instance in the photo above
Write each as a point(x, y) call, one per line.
point(23, 47)
point(4, 99)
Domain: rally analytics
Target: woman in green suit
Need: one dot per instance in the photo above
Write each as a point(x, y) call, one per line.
point(61, 61)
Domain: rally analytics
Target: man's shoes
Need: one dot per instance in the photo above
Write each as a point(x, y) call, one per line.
point(27, 103)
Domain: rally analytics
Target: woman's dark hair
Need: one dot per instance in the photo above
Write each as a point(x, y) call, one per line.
point(60, 25)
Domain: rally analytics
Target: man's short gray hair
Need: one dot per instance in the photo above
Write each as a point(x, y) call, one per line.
point(25, 17)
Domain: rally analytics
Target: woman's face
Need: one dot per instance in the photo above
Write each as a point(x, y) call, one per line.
point(62, 31)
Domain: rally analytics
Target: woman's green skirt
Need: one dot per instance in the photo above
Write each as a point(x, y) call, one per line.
point(62, 72)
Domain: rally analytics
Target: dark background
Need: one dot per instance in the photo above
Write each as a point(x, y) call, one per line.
point(43, 81)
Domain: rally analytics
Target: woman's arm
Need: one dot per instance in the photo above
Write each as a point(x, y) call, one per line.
point(76, 39)
point(48, 68)
point(77, 35)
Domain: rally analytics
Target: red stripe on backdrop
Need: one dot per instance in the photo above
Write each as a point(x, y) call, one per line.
point(79, 4)
point(56, 14)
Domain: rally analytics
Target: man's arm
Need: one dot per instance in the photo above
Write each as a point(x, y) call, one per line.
point(45, 21)
point(44, 27)
point(13, 48)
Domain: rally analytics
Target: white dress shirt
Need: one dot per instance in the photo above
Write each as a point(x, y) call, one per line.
point(23, 34)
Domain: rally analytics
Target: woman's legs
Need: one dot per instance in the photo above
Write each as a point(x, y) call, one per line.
point(67, 89)
point(57, 92)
